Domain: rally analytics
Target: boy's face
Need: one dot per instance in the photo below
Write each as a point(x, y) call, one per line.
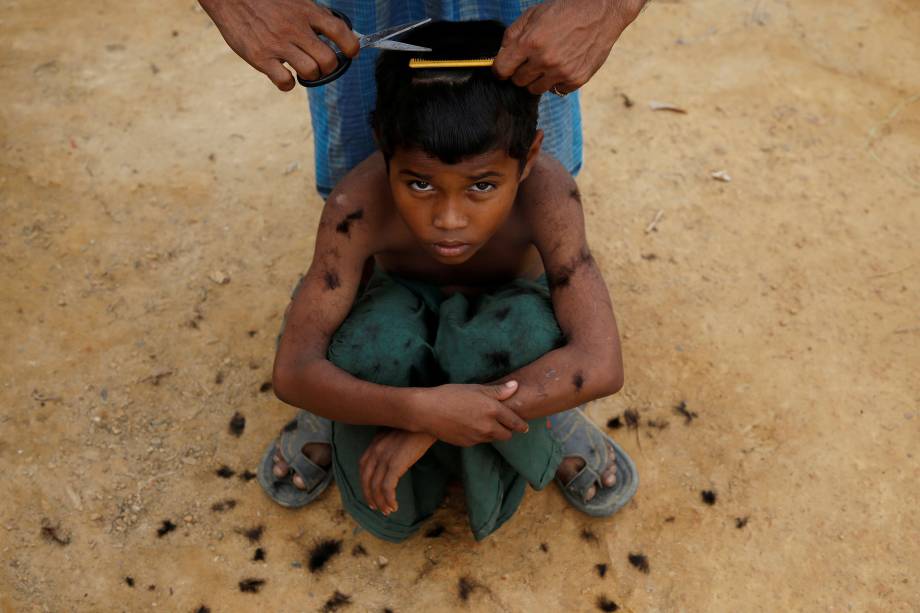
point(454, 209)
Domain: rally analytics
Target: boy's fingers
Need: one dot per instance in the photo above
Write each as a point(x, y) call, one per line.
point(379, 500)
point(367, 473)
point(512, 420)
point(503, 391)
point(389, 488)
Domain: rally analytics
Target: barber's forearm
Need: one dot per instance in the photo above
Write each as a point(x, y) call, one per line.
point(565, 378)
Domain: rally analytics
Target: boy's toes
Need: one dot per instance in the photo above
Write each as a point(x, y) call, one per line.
point(590, 493)
point(298, 482)
point(281, 468)
point(610, 477)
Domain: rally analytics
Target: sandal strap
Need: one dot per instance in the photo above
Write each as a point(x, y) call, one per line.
point(309, 429)
point(583, 481)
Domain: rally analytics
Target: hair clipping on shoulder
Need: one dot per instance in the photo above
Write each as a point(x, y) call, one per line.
point(482, 62)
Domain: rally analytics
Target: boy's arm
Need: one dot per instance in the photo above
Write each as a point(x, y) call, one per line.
point(589, 365)
point(348, 234)
point(302, 376)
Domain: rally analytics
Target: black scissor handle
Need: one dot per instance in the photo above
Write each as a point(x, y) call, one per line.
point(344, 60)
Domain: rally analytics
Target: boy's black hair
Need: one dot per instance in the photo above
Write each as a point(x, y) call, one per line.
point(452, 113)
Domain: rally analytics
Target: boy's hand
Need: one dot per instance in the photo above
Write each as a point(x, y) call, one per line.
point(385, 461)
point(267, 33)
point(469, 414)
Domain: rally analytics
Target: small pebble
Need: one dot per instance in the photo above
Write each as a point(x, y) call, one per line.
point(382, 561)
point(188, 519)
point(219, 277)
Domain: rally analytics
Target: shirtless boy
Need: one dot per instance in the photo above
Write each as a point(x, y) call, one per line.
point(452, 314)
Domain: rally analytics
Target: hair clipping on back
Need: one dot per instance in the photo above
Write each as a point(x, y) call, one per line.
point(482, 62)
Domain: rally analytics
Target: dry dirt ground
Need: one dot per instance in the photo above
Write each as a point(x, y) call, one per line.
point(139, 158)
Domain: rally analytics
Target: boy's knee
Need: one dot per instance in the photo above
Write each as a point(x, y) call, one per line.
point(510, 329)
point(386, 354)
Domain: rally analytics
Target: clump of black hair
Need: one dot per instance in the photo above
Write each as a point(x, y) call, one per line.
point(465, 587)
point(223, 505)
point(640, 561)
point(605, 604)
point(455, 113)
point(322, 552)
point(588, 536)
point(237, 424)
point(253, 534)
point(336, 601)
point(435, 531)
point(53, 533)
point(251, 585)
point(165, 528)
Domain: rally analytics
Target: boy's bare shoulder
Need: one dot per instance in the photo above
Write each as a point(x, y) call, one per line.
point(360, 205)
point(549, 199)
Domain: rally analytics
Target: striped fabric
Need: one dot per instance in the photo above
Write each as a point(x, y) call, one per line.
point(340, 111)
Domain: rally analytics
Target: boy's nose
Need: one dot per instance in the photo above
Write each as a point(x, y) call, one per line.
point(449, 216)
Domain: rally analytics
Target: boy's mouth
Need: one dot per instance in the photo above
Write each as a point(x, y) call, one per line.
point(450, 249)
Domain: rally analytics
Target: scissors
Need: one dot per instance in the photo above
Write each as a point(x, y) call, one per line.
point(379, 40)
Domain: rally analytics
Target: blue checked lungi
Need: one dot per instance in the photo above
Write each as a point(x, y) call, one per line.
point(340, 111)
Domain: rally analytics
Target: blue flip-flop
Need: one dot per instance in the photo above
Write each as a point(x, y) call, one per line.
point(580, 437)
point(305, 428)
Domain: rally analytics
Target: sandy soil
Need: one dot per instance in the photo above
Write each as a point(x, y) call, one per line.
point(140, 159)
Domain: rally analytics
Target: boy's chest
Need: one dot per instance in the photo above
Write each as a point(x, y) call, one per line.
point(500, 261)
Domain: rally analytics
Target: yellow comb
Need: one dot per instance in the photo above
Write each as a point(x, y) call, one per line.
point(482, 62)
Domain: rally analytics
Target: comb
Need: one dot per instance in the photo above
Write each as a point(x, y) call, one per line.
point(473, 63)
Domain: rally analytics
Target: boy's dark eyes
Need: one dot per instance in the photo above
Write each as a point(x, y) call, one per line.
point(420, 186)
point(424, 186)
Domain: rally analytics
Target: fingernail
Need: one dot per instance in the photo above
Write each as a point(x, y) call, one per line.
point(371, 507)
point(526, 429)
point(510, 384)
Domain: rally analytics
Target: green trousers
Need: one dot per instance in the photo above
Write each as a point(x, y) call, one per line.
point(406, 333)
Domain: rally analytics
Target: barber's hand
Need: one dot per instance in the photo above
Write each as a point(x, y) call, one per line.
point(562, 43)
point(266, 33)
point(468, 414)
point(388, 457)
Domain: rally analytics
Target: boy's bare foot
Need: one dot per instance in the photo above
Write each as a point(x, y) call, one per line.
point(319, 453)
point(572, 464)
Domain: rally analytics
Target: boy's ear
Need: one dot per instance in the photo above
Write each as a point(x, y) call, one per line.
point(532, 154)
